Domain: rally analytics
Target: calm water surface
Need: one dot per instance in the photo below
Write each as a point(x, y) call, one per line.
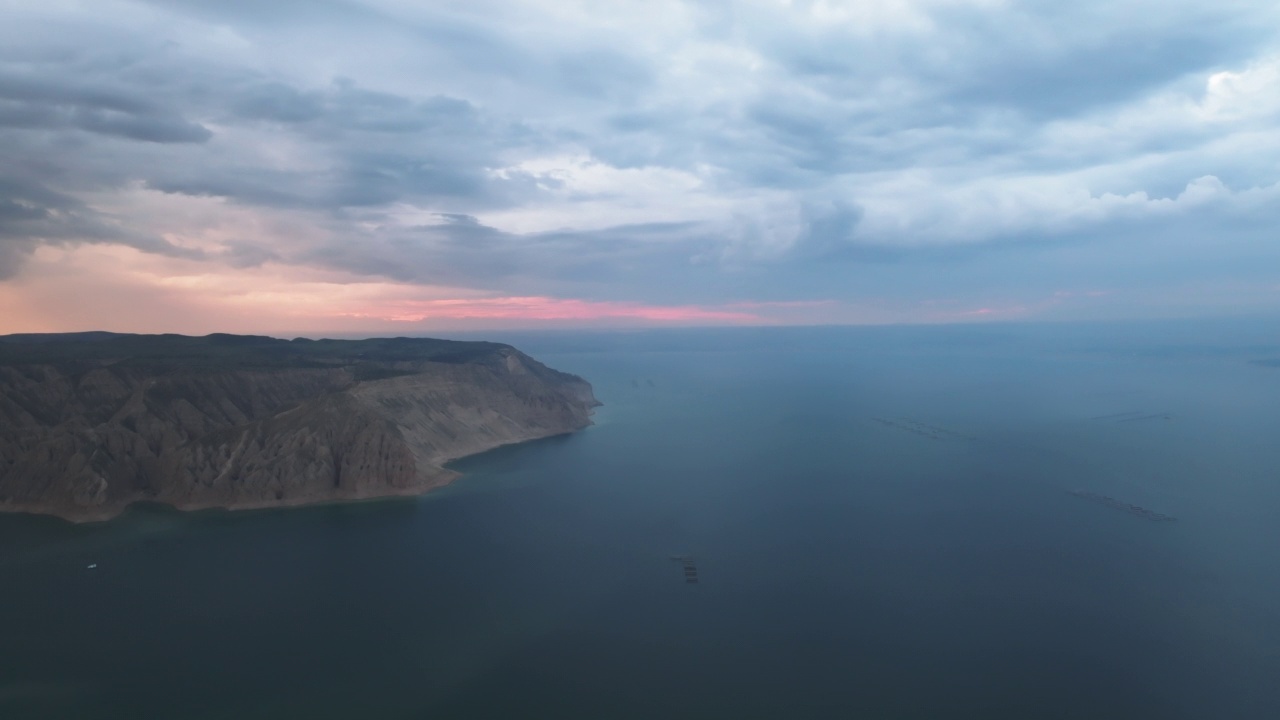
point(849, 568)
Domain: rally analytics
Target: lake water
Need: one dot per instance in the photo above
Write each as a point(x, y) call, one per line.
point(848, 567)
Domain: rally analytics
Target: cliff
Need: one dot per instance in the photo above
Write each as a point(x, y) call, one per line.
point(92, 422)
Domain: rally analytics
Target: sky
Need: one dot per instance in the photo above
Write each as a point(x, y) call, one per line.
point(330, 166)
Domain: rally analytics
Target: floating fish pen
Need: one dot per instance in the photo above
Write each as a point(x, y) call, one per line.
point(690, 568)
point(1133, 416)
point(1117, 504)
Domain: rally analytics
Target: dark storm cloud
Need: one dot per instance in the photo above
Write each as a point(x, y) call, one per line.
point(601, 73)
point(278, 102)
point(1069, 63)
point(279, 13)
point(31, 214)
point(779, 150)
point(1041, 58)
point(48, 104)
point(483, 40)
point(382, 148)
point(612, 263)
point(151, 129)
point(827, 261)
point(976, 82)
point(828, 235)
point(373, 147)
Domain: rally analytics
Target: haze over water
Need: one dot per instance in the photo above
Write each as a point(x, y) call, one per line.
point(848, 567)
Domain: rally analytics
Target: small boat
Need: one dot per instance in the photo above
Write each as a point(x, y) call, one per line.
point(690, 568)
point(92, 566)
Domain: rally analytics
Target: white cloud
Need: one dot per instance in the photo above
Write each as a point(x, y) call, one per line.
point(1252, 92)
point(399, 137)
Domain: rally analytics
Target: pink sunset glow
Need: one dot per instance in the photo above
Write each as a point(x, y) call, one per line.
point(103, 286)
point(123, 289)
point(548, 308)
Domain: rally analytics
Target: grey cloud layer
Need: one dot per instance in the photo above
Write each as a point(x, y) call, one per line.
point(932, 150)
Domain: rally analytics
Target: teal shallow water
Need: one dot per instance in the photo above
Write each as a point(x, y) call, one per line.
point(847, 567)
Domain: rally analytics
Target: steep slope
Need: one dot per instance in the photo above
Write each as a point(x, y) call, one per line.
point(89, 426)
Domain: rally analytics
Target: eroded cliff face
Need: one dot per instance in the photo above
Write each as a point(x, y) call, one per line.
point(84, 444)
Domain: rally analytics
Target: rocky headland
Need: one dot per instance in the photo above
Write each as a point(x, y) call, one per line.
point(91, 422)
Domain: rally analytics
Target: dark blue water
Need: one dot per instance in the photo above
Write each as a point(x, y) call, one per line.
point(848, 568)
